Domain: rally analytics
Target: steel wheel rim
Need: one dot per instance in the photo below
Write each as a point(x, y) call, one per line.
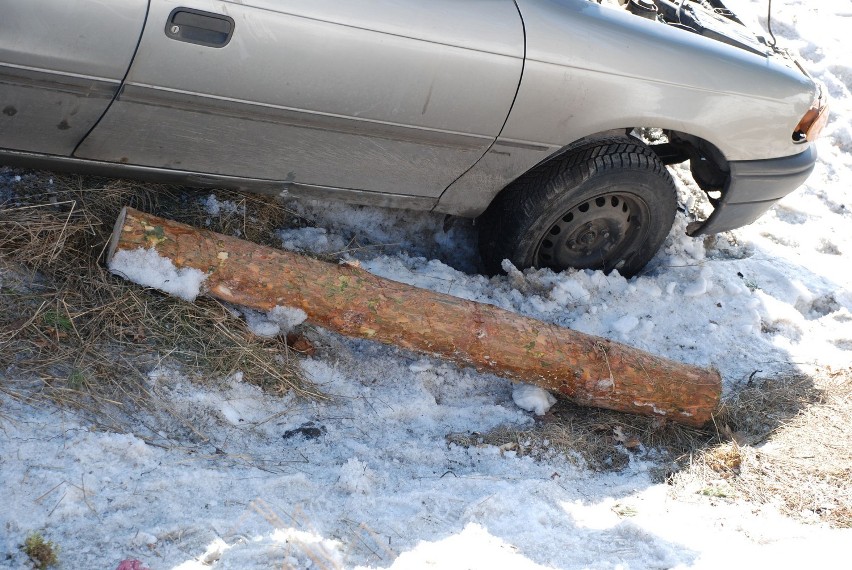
point(603, 232)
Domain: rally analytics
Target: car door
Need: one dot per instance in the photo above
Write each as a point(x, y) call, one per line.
point(61, 63)
point(391, 96)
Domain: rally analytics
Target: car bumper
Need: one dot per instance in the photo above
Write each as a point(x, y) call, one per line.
point(753, 187)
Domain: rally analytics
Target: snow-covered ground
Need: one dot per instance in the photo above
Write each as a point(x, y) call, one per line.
point(246, 480)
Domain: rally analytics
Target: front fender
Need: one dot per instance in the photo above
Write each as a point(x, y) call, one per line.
point(591, 68)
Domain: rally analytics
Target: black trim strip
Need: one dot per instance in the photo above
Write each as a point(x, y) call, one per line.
point(45, 80)
point(36, 161)
point(23, 159)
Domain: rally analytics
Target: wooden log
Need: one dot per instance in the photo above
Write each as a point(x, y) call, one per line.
point(590, 370)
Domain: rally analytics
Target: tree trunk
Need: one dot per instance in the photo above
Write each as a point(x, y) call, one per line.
point(590, 370)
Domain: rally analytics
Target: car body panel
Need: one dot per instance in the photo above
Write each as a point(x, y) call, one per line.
point(504, 162)
point(423, 105)
point(309, 95)
point(61, 64)
point(591, 69)
point(607, 68)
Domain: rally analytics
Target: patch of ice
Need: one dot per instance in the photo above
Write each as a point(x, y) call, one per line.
point(287, 318)
point(259, 324)
point(143, 538)
point(210, 556)
point(231, 414)
point(569, 291)
point(148, 268)
point(646, 286)
point(420, 366)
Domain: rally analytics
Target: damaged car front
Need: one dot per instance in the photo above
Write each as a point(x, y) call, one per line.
point(758, 156)
point(732, 102)
point(742, 190)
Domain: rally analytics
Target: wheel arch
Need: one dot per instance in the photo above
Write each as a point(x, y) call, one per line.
point(472, 193)
point(708, 163)
point(609, 162)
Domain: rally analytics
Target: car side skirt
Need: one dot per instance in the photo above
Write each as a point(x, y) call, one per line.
point(281, 188)
point(47, 111)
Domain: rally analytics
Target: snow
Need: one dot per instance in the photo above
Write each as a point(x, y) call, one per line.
point(279, 320)
point(216, 207)
point(625, 324)
point(221, 475)
point(532, 398)
point(313, 240)
point(148, 268)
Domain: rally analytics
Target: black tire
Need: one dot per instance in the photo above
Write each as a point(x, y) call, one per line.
point(607, 204)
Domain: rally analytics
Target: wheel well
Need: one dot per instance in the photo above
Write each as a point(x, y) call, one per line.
point(708, 165)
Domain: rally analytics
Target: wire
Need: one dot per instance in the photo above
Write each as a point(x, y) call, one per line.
point(769, 24)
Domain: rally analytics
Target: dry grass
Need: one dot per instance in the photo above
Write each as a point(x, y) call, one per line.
point(785, 442)
point(789, 445)
point(600, 439)
point(80, 335)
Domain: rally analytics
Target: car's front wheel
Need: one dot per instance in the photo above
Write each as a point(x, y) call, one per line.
point(608, 204)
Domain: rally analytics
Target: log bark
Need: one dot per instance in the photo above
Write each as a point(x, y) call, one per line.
point(590, 370)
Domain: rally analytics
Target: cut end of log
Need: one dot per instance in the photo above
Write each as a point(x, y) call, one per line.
point(116, 235)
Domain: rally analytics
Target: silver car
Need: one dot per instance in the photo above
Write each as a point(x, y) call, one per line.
point(523, 113)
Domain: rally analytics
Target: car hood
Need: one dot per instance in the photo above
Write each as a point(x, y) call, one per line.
point(709, 18)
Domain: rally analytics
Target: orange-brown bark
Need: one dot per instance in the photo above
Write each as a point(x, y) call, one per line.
point(590, 370)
